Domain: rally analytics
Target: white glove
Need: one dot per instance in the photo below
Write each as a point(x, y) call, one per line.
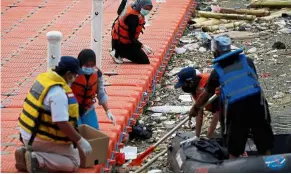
point(84, 146)
point(111, 117)
point(147, 49)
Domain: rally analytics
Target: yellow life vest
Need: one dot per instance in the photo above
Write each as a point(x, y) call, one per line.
point(34, 118)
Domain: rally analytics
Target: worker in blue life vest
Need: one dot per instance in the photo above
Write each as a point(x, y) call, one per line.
point(48, 121)
point(244, 107)
point(126, 31)
point(88, 87)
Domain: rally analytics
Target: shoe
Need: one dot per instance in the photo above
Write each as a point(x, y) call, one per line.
point(20, 158)
point(32, 165)
point(117, 60)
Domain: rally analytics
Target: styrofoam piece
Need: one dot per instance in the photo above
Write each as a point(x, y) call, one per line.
point(156, 116)
point(169, 124)
point(130, 152)
point(170, 109)
point(185, 98)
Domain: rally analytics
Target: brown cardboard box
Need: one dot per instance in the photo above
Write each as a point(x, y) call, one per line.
point(99, 143)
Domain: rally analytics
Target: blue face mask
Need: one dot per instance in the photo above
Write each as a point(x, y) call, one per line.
point(87, 71)
point(144, 12)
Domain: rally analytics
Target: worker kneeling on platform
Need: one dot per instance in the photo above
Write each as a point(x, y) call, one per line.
point(85, 87)
point(244, 107)
point(48, 121)
point(193, 83)
point(126, 30)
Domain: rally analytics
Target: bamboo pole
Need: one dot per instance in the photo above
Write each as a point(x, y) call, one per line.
point(140, 170)
point(228, 25)
point(199, 20)
point(276, 14)
point(271, 3)
point(258, 13)
point(210, 22)
point(226, 16)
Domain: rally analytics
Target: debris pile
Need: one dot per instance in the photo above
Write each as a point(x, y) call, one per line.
point(261, 28)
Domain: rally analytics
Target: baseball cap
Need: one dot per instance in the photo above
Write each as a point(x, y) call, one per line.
point(223, 43)
point(70, 63)
point(188, 73)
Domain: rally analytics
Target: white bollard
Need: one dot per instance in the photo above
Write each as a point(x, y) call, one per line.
point(54, 48)
point(96, 30)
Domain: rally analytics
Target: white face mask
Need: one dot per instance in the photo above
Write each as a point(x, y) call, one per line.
point(144, 12)
point(87, 70)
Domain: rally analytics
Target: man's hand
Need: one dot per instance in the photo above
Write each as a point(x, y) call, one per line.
point(147, 49)
point(111, 117)
point(84, 146)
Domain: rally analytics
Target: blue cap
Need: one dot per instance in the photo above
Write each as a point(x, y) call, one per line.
point(223, 43)
point(70, 63)
point(185, 74)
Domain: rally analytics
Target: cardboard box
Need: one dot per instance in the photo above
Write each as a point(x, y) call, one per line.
point(99, 143)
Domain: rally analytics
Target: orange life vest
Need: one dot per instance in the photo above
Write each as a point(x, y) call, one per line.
point(85, 90)
point(203, 81)
point(120, 29)
point(201, 86)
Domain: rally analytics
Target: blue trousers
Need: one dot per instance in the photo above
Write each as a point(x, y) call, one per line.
point(89, 118)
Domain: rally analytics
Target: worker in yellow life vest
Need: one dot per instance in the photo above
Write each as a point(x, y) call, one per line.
point(48, 121)
point(194, 83)
point(88, 86)
point(126, 31)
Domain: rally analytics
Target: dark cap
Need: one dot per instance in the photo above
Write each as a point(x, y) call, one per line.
point(70, 63)
point(185, 74)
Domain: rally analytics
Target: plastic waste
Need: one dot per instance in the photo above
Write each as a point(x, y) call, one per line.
point(156, 116)
point(180, 50)
point(191, 47)
point(206, 40)
point(285, 30)
point(170, 109)
point(155, 171)
point(215, 8)
point(185, 98)
point(130, 152)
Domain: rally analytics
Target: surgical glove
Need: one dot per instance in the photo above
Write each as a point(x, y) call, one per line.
point(147, 49)
point(111, 117)
point(84, 146)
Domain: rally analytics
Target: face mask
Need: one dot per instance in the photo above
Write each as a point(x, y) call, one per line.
point(87, 71)
point(144, 12)
point(187, 89)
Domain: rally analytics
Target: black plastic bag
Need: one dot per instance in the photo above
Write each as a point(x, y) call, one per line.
point(140, 131)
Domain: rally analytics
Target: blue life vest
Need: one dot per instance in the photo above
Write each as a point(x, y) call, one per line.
point(237, 80)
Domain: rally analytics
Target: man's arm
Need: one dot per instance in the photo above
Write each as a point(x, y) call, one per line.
point(58, 102)
point(209, 90)
point(101, 93)
point(69, 131)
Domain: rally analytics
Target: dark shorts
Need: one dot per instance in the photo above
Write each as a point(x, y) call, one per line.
point(248, 117)
point(214, 107)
